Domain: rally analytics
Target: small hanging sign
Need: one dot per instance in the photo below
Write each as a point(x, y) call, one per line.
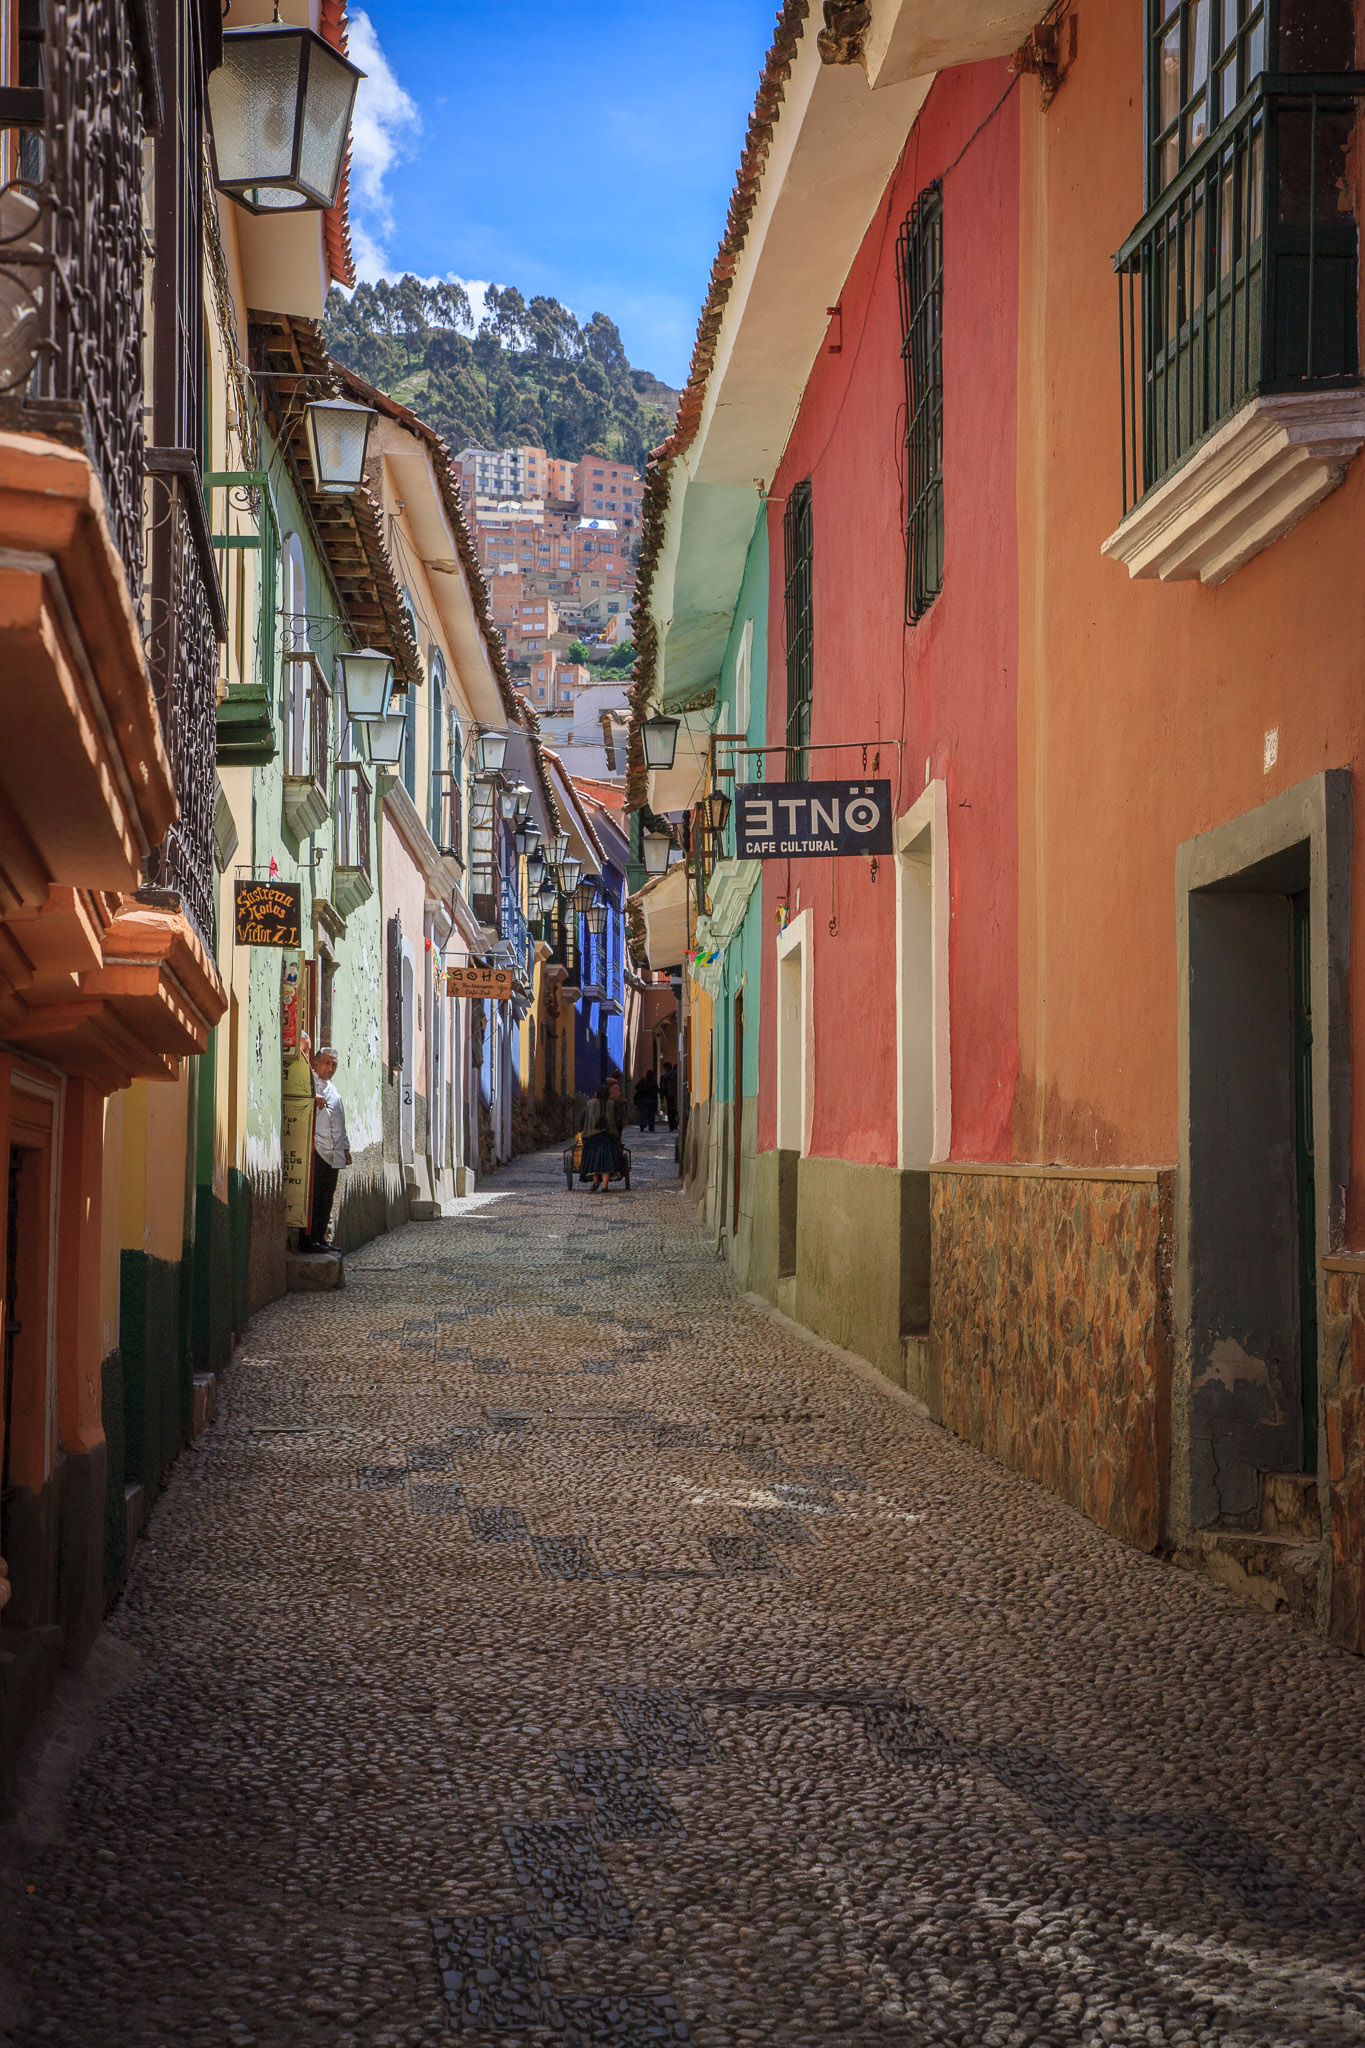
point(493, 983)
point(268, 914)
point(788, 820)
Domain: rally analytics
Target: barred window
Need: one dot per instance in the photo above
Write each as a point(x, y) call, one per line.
point(919, 268)
point(797, 535)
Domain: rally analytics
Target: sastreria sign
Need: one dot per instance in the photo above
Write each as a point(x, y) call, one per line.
point(778, 820)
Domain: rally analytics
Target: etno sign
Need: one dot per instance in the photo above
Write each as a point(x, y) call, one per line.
point(780, 820)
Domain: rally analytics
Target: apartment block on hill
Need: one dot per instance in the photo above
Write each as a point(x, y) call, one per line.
point(610, 489)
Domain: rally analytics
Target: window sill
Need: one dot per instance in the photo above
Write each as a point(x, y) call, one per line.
point(1243, 487)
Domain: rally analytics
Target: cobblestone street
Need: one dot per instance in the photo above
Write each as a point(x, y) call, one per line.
point(545, 1643)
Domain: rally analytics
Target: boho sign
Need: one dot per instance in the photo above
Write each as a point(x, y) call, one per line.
point(268, 914)
point(493, 983)
point(781, 820)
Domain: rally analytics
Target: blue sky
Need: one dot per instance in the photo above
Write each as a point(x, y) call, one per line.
point(581, 148)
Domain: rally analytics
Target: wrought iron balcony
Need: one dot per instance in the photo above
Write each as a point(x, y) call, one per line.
point(183, 627)
point(71, 243)
point(1242, 278)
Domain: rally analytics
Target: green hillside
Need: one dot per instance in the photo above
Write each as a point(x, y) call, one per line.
point(530, 375)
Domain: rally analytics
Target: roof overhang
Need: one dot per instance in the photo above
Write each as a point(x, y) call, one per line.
point(415, 480)
point(835, 144)
point(908, 38)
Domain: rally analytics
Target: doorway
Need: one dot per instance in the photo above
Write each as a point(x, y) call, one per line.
point(408, 1127)
point(28, 1393)
point(1262, 911)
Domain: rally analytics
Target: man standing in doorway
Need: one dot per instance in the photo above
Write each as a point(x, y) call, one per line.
point(331, 1145)
point(668, 1093)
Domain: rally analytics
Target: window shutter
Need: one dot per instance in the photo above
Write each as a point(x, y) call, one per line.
point(395, 972)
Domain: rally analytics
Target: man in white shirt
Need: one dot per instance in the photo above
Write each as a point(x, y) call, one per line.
point(331, 1145)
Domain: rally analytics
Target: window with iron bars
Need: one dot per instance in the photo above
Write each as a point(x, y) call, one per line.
point(798, 549)
point(919, 272)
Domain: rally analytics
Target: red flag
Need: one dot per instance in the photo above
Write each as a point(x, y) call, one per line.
point(274, 868)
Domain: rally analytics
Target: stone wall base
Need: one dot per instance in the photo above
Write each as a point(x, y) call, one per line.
point(1050, 1344)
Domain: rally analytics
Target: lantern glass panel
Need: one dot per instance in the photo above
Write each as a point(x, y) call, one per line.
point(657, 847)
point(254, 103)
point(492, 752)
point(569, 872)
point(327, 106)
point(585, 895)
point(557, 846)
point(548, 895)
point(535, 870)
point(386, 736)
point(523, 801)
point(597, 919)
point(338, 433)
point(367, 681)
point(660, 739)
point(717, 810)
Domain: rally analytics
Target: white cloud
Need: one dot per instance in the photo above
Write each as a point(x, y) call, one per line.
point(384, 124)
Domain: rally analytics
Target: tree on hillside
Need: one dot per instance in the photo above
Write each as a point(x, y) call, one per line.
point(530, 374)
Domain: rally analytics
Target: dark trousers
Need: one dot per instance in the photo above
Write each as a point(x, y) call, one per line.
point(670, 1104)
point(648, 1113)
point(324, 1189)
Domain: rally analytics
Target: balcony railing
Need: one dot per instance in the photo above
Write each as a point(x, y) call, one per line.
point(1241, 279)
point(183, 628)
point(515, 931)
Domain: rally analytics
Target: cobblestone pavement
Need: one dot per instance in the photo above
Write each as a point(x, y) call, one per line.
point(547, 1645)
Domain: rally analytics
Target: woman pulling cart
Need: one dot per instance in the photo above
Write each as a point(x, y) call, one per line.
point(603, 1158)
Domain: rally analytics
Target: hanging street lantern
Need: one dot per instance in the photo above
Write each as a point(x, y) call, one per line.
point(523, 802)
point(280, 112)
point(717, 809)
point(367, 684)
point(659, 736)
point(507, 802)
point(535, 870)
point(338, 435)
point(597, 919)
point(585, 895)
point(386, 736)
point(548, 897)
point(569, 870)
point(657, 847)
point(556, 848)
point(527, 838)
point(492, 751)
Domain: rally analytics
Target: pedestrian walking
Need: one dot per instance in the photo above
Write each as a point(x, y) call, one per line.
point(668, 1093)
point(331, 1145)
point(604, 1119)
point(647, 1099)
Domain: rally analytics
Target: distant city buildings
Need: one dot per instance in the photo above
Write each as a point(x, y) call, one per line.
point(557, 541)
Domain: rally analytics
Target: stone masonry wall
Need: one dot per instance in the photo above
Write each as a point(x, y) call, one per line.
point(1050, 1334)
